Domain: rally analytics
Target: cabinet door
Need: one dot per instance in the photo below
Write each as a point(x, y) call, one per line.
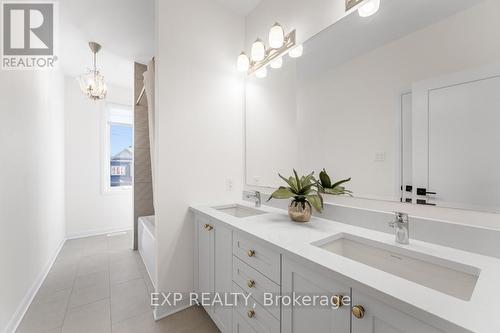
point(302, 280)
point(205, 251)
point(381, 318)
point(223, 271)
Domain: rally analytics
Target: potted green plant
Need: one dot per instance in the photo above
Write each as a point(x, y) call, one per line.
point(305, 194)
point(325, 185)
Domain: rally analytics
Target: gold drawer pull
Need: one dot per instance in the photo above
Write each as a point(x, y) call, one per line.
point(208, 227)
point(251, 313)
point(251, 284)
point(251, 253)
point(337, 300)
point(358, 311)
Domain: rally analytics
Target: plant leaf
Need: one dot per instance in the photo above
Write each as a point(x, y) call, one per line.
point(306, 189)
point(298, 180)
point(340, 182)
point(282, 193)
point(290, 183)
point(325, 179)
point(316, 202)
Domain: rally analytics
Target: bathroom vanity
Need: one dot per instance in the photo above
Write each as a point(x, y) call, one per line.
point(415, 288)
point(405, 103)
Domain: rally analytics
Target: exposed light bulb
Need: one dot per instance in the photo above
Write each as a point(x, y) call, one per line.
point(296, 52)
point(277, 63)
point(276, 36)
point(261, 73)
point(243, 63)
point(258, 50)
point(369, 8)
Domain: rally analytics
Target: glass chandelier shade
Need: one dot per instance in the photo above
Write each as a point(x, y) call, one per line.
point(92, 82)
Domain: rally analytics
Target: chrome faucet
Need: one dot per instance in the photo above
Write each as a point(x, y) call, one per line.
point(258, 199)
point(401, 226)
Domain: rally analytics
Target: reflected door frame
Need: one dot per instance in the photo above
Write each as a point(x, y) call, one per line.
point(421, 120)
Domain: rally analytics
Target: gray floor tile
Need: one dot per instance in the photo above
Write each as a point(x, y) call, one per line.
point(93, 318)
point(62, 295)
point(43, 317)
point(78, 296)
point(93, 264)
point(90, 288)
point(129, 299)
point(143, 323)
point(124, 271)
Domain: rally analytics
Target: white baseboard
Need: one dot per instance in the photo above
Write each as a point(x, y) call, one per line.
point(30, 295)
point(95, 233)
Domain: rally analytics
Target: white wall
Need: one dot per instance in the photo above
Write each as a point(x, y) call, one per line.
point(90, 210)
point(31, 185)
point(199, 129)
point(392, 75)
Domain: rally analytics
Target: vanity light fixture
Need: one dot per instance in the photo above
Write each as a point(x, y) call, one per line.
point(368, 8)
point(258, 50)
point(277, 63)
point(296, 52)
point(243, 62)
point(260, 56)
point(261, 73)
point(276, 36)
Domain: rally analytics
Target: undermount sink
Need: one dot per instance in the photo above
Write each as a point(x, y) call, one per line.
point(448, 277)
point(239, 211)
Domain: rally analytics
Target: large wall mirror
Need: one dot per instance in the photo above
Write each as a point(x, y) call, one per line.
point(406, 102)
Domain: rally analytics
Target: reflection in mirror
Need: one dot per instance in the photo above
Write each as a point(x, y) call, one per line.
point(405, 102)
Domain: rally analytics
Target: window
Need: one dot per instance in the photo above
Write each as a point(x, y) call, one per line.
point(119, 152)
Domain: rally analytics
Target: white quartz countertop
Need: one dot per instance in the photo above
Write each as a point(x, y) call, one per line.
point(481, 314)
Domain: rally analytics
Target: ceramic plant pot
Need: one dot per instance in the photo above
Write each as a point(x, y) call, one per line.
point(299, 211)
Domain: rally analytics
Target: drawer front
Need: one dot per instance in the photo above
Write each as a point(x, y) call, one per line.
point(255, 284)
point(255, 315)
point(258, 256)
point(240, 325)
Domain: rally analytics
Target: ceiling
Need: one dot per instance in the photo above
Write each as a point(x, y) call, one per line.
point(124, 28)
point(242, 7)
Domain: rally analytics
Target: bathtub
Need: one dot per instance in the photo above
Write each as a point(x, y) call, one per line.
point(147, 245)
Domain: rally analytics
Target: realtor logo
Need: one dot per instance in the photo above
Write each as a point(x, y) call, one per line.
point(28, 35)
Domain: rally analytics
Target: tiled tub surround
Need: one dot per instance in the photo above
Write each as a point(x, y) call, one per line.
point(448, 313)
point(99, 285)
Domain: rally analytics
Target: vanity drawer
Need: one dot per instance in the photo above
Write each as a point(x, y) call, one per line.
point(256, 284)
point(258, 256)
point(255, 315)
point(240, 325)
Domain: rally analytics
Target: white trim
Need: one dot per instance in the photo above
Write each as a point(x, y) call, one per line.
point(97, 232)
point(30, 295)
point(147, 270)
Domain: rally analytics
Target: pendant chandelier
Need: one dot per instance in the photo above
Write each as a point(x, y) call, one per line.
point(92, 82)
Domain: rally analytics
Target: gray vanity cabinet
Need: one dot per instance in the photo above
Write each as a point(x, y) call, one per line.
point(214, 267)
point(379, 317)
point(301, 279)
point(230, 261)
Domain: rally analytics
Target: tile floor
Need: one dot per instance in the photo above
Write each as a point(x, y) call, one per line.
point(99, 285)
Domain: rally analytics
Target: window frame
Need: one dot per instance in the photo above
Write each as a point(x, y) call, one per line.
point(106, 187)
